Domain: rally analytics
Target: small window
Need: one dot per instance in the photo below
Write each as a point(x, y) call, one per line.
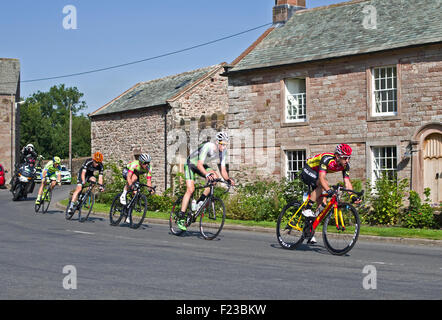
point(295, 102)
point(295, 162)
point(384, 161)
point(384, 91)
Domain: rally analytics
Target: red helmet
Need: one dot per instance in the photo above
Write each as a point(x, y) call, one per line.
point(343, 150)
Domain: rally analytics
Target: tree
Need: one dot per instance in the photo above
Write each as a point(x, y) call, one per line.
point(44, 122)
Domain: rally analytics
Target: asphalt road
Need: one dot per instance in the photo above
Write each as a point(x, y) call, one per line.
point(44, 256)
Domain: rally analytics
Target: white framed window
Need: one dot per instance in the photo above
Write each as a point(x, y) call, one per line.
point(295, 160)
point(384, 95)
point(384, 160)
point(295, 102)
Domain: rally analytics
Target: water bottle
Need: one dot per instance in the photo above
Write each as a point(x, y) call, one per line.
point(304, 196)
point(193, 205)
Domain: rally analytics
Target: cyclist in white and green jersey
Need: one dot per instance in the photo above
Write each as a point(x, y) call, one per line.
point(196, 164)
point(52, 172)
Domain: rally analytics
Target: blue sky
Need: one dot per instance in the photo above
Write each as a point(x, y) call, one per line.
point(115, 32)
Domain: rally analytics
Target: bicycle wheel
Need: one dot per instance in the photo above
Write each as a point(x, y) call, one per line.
point(212, 218)
point(138, 212)
point(46, 199)
point(174, 217)
point(289, 226)
point(341, 236)
point(117, 211)
point(86, 206)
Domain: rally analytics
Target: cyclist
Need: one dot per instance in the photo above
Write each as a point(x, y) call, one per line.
point(52, 171)
point(314, 175)
point(196, 164)
point(86, 174)
point(132, 172)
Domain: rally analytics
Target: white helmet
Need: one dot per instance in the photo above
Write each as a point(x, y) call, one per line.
point(222, 136)
point(144, 158)
point(29, 145)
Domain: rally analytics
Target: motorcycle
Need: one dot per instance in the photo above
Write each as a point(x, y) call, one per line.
point(24, 181)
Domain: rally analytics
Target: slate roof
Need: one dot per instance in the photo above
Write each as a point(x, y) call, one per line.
point(338, 30)
point(9, 75)
point(156, 92)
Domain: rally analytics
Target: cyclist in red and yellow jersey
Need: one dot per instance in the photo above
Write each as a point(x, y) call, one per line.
point(314, 175)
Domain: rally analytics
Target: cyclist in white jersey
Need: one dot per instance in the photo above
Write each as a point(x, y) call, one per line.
point(196, 164)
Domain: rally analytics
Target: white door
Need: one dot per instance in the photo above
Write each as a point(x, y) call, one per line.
point(433, 166)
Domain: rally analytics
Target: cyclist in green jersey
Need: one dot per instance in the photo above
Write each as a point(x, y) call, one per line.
point(196, 165)
point(132, 172)
point(52, 171)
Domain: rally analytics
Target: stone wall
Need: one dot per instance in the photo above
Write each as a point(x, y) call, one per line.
point(339, 109)
point(122, 136)
point(9, 139)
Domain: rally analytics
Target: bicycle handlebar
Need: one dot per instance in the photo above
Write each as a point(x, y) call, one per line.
point(212, 182)
point(337, 188)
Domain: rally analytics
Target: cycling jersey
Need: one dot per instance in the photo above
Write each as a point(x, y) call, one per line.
point(88, 165)
point(135, 167)
point(206, 152)
point(50, 169)
point(327, 162)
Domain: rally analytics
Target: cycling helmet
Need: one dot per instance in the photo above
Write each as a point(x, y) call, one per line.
point(343, 150)
point(222, 136)
point(56, 160)
point(144, 158)
point(98, 157)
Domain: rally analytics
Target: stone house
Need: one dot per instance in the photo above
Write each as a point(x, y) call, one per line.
point(162, 117)
point(366, 72)
point(9, 113)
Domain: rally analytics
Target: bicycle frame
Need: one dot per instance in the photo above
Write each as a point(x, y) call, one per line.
point(208, 198)
point(333, 202)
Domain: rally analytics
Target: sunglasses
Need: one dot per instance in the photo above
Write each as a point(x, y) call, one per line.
point(345, 157)
point(222, 143)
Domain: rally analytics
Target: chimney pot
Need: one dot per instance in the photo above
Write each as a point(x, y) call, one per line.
point(284, 9)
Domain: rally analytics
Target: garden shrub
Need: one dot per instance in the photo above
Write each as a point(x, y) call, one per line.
point(419, 215)
point(386, 200)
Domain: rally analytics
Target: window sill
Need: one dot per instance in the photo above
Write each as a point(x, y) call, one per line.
point(294, 124)
point(383, 118)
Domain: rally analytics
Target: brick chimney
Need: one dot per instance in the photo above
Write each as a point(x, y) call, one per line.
point(284, 9)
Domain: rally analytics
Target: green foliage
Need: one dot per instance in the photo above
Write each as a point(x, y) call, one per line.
point(419, 215)
point(262, 200)
point(386, 200)
point(44, 122)
point(113, 181)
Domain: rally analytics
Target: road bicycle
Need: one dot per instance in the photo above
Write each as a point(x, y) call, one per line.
point(212, 213)
point(135, 201)
point(86, 201)
point(46, 197)
point(340, 229)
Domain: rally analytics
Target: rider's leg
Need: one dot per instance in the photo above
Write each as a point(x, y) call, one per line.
point(42, 184)
point(190, 189)
point(132, 180)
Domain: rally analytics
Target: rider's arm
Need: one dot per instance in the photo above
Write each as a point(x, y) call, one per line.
point(83, 176)
point(322, 180)
point(200, 166)
point(100, 179)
